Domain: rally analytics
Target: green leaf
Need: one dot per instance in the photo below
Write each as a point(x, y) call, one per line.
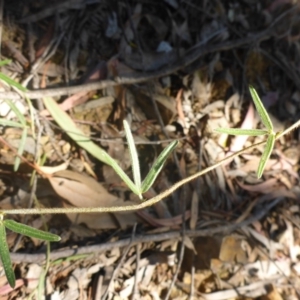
point(17, 112)
point(261, 110)
point(5, 62)
point(237, 131)
point(134, 156)
point(30, 231)
point(157, 166)
point(12, 83)
point(266, 154)
point(9, 123)
point(5, 257)
point(67, 124)
point(21, 149)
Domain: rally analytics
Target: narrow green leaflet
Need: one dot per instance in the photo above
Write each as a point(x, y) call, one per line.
point(17, 112)
point(20, 149)
point(5, 62)
point(266, 154)
point(30, 231)
point(12, 83)
point(5, 122)
point(134, 156)
point(261, 109)
point(67, 124)
point(5, 257)
point(237, 131)
point(157, 166)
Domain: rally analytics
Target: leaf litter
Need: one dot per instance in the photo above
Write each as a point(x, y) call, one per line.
point(256, 261)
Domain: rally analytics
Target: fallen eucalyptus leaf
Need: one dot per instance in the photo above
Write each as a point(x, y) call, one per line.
point(83, 191)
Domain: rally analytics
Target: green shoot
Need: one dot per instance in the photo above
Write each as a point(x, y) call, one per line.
point(256, 132)
point(266, 154)
point(157, 167)
point(261, 110)
point(24, 230)
point(67, 124)
point(5, 257)
point(134, 157)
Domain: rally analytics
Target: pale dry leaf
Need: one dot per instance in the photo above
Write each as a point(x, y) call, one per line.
point(189, 244)
point(149, 271)
point(6, 289)
point(216, 105)
point(34, 272)
point(266, 269)
point(252, 291)
point(239, 141)
point(55, 296)
point(83, 191)
point(52, 170)
point(129, 283)
point(73, 289)
point(270, 245)
point(6, 111)
point(201, 89)
point(232, 102)
point(272, 164)
point(265, 187)
point(287, 239)
point(296, 268)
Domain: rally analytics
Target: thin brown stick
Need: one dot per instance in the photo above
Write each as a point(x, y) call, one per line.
point(191, 56)
point(157, 237)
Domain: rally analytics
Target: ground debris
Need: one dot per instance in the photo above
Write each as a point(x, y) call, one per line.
point(186, 67)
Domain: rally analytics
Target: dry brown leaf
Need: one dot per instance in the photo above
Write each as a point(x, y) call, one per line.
point(253, 161)
point(265, 187)
point(82, 191)
point(189, 244)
